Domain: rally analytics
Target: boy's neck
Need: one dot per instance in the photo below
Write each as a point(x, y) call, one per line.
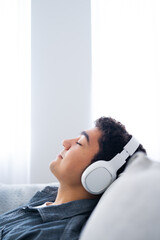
point(67, 194)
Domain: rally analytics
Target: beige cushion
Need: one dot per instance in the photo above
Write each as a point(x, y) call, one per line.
point(130, 207)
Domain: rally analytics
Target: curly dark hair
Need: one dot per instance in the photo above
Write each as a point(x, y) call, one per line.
point(114, 138)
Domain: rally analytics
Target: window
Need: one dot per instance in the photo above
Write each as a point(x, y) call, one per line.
point(126, 66)
point(15, 90)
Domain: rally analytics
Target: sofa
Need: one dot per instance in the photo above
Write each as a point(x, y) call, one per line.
point(128, 210)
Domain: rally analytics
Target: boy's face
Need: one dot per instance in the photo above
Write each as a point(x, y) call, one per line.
point(76, 156)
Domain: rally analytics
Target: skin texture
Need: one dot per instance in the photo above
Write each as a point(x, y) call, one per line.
point(71, 162)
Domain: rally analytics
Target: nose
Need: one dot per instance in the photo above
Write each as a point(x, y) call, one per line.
point(67, 144)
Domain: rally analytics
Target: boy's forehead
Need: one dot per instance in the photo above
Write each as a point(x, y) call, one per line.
point(92, 135)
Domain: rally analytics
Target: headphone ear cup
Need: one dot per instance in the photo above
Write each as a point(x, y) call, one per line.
point(97, 177)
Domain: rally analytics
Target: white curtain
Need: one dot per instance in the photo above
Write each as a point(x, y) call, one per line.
point(126, 66)
point(15, 94)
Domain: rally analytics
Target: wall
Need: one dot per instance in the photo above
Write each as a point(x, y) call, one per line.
point(60, 78)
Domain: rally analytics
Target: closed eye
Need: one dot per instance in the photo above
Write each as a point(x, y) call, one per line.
point(79, 143)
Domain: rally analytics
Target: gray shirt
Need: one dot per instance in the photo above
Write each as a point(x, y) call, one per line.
point(54, 222)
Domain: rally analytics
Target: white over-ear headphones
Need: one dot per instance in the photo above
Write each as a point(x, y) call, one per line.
point(99, 175)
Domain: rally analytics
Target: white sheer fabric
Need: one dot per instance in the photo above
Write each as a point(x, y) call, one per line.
point(126, 66)
point(14, 90)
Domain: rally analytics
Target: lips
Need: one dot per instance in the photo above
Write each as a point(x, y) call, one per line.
point(60, 156)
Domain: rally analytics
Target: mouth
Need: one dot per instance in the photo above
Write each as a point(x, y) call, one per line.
point(60, 156)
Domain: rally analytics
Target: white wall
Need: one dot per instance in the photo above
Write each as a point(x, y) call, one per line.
point(60, 78)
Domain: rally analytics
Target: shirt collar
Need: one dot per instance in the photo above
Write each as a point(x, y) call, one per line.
point(62, 211)
point(67, 210)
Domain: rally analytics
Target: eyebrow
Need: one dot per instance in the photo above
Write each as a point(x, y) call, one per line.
point(86, 135)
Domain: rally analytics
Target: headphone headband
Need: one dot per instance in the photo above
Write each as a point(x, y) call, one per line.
point(127, 151)
point(131, 146)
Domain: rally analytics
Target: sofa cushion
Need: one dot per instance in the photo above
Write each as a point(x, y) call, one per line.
point(13, 196)
point(129, 209)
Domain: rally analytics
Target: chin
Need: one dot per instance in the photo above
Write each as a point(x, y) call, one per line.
point(52, 166)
